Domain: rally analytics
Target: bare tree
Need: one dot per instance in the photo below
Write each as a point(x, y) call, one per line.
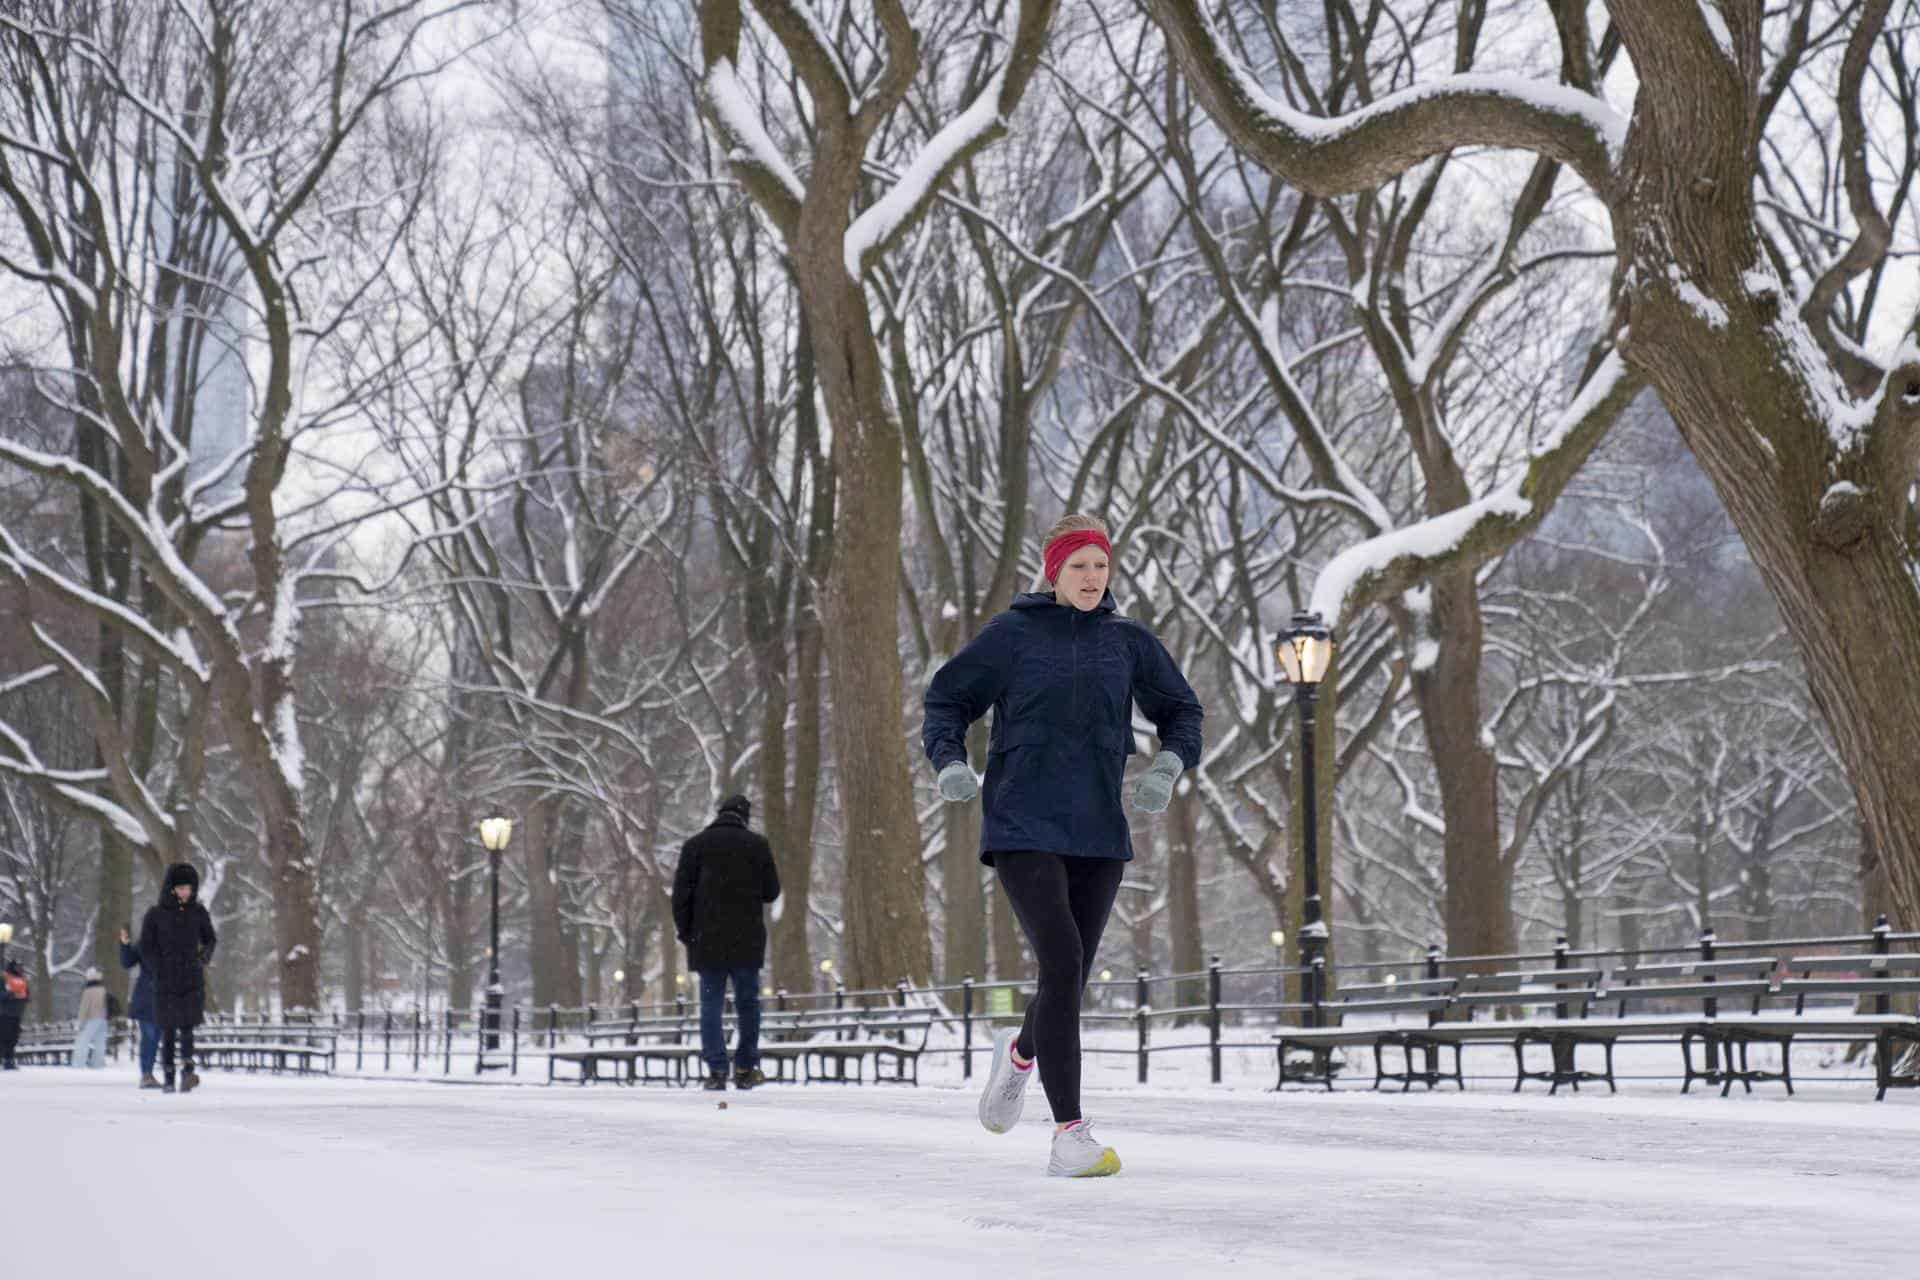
point(855, 81)
point(1756, 349)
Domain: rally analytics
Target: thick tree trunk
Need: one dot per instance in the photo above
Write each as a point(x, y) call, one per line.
point(1183, 899)
point(296, 916)
point(792, 954)
point(965, 950)
point(1821, 502)
point(669, 947)
point(356, 948)
point(455, 895)
point(1477, 910)
point(884, 898)
point(551, 976)
point(116, 910)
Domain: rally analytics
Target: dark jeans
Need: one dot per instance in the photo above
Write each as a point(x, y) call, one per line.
point(9, 1036)
point(746, 1003)
point(1062, 904)
point(149, 1045)
point(168, 1035)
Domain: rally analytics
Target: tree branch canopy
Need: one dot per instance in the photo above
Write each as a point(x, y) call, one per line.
point(1371, 146)
point(1384, 566)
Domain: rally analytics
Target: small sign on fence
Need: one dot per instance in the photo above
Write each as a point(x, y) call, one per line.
point(999, 1000)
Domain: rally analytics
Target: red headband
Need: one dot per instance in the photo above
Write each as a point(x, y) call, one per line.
point(1066, 544)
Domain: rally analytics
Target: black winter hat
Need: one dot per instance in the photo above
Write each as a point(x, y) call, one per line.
point(737, 804)
point(178, 874)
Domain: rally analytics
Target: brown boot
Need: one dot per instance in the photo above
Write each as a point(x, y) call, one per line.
point(148, 1082)
point(189, 1081)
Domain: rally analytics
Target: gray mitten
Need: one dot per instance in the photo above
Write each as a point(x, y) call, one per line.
point(1155, 788)
point(958, 783)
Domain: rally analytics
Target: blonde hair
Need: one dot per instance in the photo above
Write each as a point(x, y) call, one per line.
point(1069, 523)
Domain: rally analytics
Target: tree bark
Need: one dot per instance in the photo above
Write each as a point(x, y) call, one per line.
point(546, 952)
point(1183, 898)
point(965, 950)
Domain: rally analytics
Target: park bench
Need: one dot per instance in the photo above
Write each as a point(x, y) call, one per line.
point(651, 1049)
point(1391, 998)
point(46, 1044)
point(890, 1037)
point(795, 1046)
point(254, 1046)
point(1568, 994)
point(1846, 978)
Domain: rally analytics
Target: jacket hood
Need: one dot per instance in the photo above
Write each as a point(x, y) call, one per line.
point(178, 874)
point(1045, 600)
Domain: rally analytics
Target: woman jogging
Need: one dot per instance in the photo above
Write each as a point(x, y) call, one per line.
point(1061, 671)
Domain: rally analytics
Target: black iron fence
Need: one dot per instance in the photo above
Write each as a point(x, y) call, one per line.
point(1208, 1011)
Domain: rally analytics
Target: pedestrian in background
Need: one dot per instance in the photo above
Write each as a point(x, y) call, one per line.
point(176, 941)
point(90, 1041)
point(725, 879)
point(140, 1009)
point(13, 1006)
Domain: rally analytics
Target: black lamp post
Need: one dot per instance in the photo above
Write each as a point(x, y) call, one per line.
point(1305, 652)
point(494, 834)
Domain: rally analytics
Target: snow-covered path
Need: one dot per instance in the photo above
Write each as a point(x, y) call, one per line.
point(354, 1179)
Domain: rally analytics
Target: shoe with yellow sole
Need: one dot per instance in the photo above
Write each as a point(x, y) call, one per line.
point(1078, 1154)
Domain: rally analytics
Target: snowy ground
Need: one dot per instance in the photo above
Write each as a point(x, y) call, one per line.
point(363, 1180)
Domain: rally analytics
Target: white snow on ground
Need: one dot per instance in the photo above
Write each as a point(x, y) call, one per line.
point(363, 1180)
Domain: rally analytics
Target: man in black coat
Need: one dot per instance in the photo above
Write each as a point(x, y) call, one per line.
point(176, 941)
point(725, 877)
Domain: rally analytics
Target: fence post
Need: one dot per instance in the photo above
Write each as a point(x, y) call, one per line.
point(418, 1034)
point(633, 1022)
point(513, 1063)
point(1319, 980)
point(386, 1043)
point(1882, 944)
point(900, 989)
point(966, 1027)
point(553, 1025)
point(1140, 1017)
point(1213, 1012)
point(780, 999)
point(447, 1068)
point(1560, 950)
point(1433, 973)
point(839, 1003)
point(359, 1036)
point(1712, 1009)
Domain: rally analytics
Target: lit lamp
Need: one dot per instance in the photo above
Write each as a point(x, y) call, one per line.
point(495, 832)
point(1305, 652)
point(6, 937)
point(1279, 940)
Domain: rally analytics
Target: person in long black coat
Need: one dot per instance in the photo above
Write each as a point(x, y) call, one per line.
point(725, 879)
point(176, 941)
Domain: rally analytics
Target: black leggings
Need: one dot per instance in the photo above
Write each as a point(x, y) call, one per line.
point(1062, 904)
point(167, 1037)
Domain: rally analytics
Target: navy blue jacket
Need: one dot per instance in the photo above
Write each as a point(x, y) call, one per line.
point(1062, 684)
point(140, 1004)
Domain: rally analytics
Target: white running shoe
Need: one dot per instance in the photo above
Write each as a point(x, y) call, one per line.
point(1078, 1154)
point(1005, 1095)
